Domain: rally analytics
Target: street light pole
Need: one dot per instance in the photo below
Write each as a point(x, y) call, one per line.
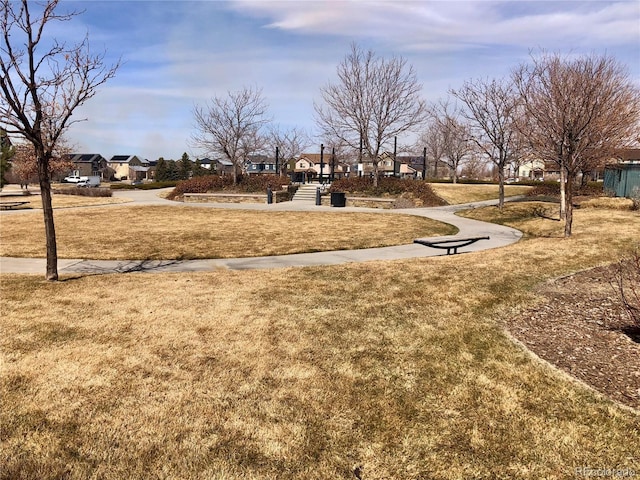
point(321, 160)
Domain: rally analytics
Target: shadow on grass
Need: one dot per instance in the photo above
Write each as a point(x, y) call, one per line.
point(88, 268)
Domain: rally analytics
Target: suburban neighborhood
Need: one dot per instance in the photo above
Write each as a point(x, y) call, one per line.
point(623, 169)
point(355, 240)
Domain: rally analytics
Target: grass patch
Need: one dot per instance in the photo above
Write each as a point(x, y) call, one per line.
point(62, 200)
point(398, 368)
point(455, 194)
point(609, 203)
point(190, 232)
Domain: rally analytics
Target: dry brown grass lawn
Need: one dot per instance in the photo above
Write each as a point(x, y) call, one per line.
point(398, 368)
point(189, 232)
point(466, 193)
point(61, 201)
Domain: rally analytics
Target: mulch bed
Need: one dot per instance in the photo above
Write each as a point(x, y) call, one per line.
point(581, 327)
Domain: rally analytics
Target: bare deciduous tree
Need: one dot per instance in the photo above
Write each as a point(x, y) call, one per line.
point(454, 133)
point(374, 100)
point(290, 143)
point(41, 87)
point(492, 107)
point(432, 139)
point(231, 126)
point(576, 110)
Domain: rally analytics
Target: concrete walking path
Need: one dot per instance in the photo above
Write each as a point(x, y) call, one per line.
point(499, 235)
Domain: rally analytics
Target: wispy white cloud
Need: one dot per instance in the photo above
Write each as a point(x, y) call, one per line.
point(178, 53)
point(457, 23)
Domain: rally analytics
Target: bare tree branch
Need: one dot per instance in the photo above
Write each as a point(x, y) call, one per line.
point(374, 100)
point(492, 108)
point(231, 126)
point(41, 87)
point(577, 112)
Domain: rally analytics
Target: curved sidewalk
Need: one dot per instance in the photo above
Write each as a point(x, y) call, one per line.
point(499, 236)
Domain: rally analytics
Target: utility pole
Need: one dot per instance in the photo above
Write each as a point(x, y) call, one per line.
point(424, 164)
point(321, 160)
point(396, 166)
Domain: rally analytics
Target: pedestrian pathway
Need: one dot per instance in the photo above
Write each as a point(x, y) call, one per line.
point(499, 236)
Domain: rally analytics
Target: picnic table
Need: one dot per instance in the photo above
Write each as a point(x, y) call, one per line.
point(11, 205)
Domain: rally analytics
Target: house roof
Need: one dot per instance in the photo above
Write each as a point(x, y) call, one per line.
point(85, 157)
point(127, 159)
point(629, 155)
point(315, 157)
point(224, 162)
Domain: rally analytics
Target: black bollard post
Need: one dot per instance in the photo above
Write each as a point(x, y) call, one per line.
point(318, 198)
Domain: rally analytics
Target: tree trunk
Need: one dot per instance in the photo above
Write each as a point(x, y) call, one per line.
point(568, 207)
point(500, 187)
point(563, 193)
point(375, 174)
point(49, 227)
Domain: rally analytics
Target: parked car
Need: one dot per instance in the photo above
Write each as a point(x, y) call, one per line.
point(135, 183)
point(92, 181)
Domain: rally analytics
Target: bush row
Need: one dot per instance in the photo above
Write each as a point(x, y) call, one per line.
point(217, 183)
point(84, 191)
point(552, 189)
point(389, 186)
point(144, 186)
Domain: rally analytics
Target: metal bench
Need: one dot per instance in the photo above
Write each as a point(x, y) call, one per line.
point(450, 245)
point(11, 205)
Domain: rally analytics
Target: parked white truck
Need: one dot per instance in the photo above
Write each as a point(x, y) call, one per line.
point(92, 181)
point(83, 180)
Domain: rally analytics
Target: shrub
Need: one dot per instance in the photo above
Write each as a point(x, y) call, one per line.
point(552, 189)
point(635, 198)
point(626, 280)
point(216, 183)
point(144, 186)
point(417, 190)
point(85, 192)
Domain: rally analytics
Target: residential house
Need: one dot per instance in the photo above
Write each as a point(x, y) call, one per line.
point(416, 163)
point(388, 166)
point(260, 165)
point(302, 170)
point(531, 169)
point(310, 166)
point(221, 166)
point(130, 167)
point(88, 164)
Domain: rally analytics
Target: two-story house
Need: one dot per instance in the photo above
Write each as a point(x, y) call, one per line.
point(130, 167)
point(90, 164)
point(260, 164)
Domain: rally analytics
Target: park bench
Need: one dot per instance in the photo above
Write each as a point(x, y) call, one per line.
point(450, 245)
point(11, 205)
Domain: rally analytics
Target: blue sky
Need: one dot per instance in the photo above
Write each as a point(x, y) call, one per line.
point(177, 54)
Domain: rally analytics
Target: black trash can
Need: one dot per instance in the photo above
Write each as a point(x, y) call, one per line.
point(338, 199)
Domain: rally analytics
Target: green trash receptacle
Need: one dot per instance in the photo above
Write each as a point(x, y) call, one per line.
point(338, 199)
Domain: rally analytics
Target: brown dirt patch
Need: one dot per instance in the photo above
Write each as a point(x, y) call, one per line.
point(579, 326)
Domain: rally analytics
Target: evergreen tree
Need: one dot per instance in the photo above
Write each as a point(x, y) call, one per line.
point(6, 152)
point(161, 170)
point(172, 170)
point(185, 167)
